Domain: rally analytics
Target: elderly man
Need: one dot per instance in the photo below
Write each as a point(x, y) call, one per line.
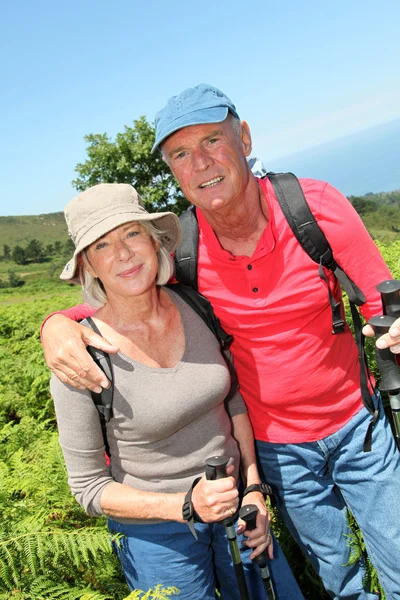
point(300, 382)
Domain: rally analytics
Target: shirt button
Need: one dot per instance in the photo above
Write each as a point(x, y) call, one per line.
point(255, 290)
point(249, 267)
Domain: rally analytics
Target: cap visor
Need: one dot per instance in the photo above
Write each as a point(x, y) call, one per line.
point(203, 116)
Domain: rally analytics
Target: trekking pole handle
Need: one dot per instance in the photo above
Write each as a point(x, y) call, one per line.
point(386, 361)
point(390, 372)
point(390, 293)
point(248, 513)
point(216, 467)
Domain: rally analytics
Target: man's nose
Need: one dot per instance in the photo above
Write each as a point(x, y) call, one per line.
point(201, 159)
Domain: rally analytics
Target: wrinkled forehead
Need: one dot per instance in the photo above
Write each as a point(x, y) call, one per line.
point(193, 133)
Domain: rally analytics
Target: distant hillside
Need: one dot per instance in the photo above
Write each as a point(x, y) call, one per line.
point(368, 161)
point(380, 213)
point(45, 228)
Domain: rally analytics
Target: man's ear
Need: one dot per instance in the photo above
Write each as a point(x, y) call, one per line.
point(245, 138)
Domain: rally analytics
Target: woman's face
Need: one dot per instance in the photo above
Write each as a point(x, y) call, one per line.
point(125, 260)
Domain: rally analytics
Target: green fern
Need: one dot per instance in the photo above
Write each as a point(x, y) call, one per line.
point(158, 593)
point(358, 553)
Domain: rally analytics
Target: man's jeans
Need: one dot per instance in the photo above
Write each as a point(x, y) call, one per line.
point(167, 553)
point(314, 483)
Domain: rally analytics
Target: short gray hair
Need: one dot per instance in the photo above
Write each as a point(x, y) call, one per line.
point(93, 289)
point(236, 124)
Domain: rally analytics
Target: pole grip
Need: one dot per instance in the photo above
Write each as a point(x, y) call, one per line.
point(385, 359)
point(248, 513)
point(216, 467)
point(390, 292)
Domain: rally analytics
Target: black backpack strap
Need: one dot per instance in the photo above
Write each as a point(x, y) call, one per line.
point(312, 239)
point(187, 252)
point(203, 308)
point(307, 231)
point(104, 400)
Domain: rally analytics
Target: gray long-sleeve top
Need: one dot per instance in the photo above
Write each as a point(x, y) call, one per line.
point(166, 421)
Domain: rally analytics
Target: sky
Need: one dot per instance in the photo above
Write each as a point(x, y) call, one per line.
point(300, 72)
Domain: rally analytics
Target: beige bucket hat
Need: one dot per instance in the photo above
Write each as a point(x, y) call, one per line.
point(103, 207)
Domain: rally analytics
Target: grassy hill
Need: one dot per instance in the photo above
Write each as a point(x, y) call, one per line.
point(380, 213)
point(45, 228)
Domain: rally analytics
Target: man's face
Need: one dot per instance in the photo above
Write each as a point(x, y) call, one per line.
point(209, 162)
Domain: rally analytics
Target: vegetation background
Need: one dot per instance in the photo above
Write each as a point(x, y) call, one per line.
point(48, 547)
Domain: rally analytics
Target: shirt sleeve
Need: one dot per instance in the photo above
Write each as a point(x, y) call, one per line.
point(75, 313)
point(82, 444)
point(353, 248)
point(234, 403)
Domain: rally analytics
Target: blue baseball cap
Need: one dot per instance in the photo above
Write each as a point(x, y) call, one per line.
point(194, 106)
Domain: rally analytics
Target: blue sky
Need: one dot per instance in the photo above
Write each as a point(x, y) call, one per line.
point(300, 73)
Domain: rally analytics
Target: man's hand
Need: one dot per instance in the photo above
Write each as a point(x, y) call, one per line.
point(64, 345)
point(260, 537)
point(389, 340)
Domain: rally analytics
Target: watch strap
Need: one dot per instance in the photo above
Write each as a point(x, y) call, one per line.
point(263, 488)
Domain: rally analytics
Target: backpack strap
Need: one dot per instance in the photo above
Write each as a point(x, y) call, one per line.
point(104, 400)
point(307, 231)
point(187, 252)
point(203, 308)
point(313, 241)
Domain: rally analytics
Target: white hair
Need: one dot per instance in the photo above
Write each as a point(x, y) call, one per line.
point(93, 289)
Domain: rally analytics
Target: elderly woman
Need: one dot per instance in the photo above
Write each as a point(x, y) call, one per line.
point(172, 408)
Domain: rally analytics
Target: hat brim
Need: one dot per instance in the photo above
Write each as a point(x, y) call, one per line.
point(168, 223)
point(202, 116)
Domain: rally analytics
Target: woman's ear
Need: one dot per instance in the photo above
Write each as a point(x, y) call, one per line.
point(156, 244)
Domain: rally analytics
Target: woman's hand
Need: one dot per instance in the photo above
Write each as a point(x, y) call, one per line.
point(64, 345)
point(259, 538)
point(215, 500)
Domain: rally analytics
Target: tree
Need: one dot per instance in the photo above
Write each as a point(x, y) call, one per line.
point(49, 250)
point(128, 159)
point(58, 247)
point(18, 255)
point(6, 252)
point(34, 251)
point(14, 280)
point(69, 247)
point(363, 205)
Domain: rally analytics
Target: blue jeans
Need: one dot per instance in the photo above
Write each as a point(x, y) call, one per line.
point(167, 553)
point(315, 482)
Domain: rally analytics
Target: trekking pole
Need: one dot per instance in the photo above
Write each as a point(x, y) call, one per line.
point(249, 514)
point(386, 360)
point(216, 469)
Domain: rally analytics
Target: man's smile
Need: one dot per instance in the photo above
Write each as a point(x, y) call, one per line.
point(211, 183)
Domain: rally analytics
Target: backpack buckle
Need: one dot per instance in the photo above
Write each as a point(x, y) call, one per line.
point(338, 326)
point(327, 260)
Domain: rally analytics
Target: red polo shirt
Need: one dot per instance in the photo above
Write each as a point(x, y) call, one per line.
point(300, 382)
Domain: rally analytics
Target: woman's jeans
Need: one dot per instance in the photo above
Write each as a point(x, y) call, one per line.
point(315, 482)
point(167, 553)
